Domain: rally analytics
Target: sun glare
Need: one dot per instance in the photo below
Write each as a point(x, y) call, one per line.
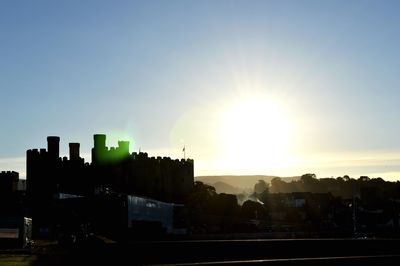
point(256, 133)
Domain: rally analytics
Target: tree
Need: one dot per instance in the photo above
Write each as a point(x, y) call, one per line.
point(201, 196)
point(346, 178)
point(224, 205)
point(363, 178)
point(309, 183)
point(260, 186)
point(199, 203)
point(308, 178)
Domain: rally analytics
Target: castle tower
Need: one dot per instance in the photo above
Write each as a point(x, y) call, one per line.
point(74, 151)
point(53, 147)
point(123, 148)
point(99, 141)
point(8, 183)
point(99, 151)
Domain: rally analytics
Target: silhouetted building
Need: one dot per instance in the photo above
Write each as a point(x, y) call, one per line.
point(8, 182)
point(74, 151)
point(11, 198)
point(159, 178)
point(112, 170)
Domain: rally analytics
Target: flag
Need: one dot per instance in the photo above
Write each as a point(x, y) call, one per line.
point(183, 148)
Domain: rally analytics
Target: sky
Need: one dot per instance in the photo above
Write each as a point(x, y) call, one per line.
point(247, 87)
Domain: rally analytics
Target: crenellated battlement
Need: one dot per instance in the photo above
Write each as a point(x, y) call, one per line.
point(8, 182)
point(158, 177)
point(9, 173)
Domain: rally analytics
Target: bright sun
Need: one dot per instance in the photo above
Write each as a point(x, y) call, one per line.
point(256, 133)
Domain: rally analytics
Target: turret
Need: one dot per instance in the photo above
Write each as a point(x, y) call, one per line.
point(8, 182)
point(99, 141)
point(53, 146)
point(123, 148)
point(74, 151)
point(99, 151)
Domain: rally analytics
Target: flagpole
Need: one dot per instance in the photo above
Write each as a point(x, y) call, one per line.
point(184, 152)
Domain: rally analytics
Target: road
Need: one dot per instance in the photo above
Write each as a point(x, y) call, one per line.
point(233, 252)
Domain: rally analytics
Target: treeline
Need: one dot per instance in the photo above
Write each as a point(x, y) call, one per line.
point(309, 207)
point(210, 212)
point(344, 187)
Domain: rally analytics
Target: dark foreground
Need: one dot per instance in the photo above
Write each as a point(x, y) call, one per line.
point(237, 252)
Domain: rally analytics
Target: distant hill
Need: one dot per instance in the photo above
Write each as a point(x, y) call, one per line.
point(222, 187)
point(236, 184)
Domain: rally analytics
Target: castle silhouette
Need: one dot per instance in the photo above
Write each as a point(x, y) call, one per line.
point(112, 169)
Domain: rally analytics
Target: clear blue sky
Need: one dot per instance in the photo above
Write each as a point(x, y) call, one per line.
point(165, 74)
